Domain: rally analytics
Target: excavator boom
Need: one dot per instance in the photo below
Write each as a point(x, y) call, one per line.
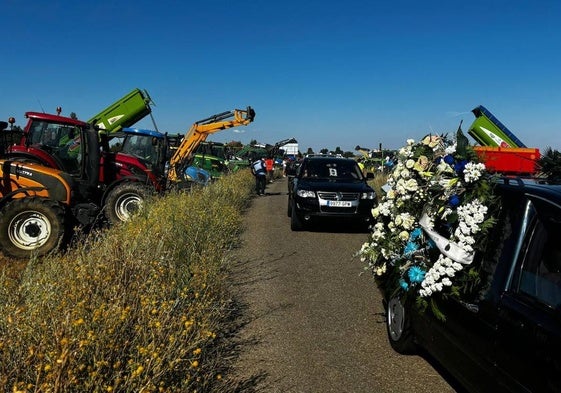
point(199, 131)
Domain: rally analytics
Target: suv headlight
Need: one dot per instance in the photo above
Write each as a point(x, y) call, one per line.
point(306, 194)
point(368, 195)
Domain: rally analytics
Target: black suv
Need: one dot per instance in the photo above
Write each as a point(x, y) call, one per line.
point(508, 338)
point(328, 186)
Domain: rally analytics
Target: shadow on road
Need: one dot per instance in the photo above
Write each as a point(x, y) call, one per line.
point(335, 226)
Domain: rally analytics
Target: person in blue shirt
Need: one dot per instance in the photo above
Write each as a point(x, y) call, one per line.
point(260, 172)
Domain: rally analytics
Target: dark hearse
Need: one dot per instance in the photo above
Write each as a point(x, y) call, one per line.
point(508, 339)
point(329, 187)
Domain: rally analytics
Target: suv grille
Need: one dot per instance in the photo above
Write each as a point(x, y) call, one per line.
point(349, 198)
point(338, 196)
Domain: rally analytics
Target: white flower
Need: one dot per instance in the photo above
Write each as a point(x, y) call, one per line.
point(410, 164)
point(400, 187)
point(444, 167)
point(407, 220)
point(472, 171)
point(405, 151)
point(364, 247)
point(410, 142)
point(403, 235)
point(411, 185)
point(450, 149)
point(384, 208)
point(378, 235)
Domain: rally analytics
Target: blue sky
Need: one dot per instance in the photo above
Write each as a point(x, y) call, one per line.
point(329, 73)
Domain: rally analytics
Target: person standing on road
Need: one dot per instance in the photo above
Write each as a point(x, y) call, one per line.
point(269, 165)
point(260, 172)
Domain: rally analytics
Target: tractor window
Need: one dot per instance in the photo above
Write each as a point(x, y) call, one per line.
point(141, 146)
point(51, 134)
point(62, 141)
point(37, 134)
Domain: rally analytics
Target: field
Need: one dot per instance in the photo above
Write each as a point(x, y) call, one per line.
point(140, 308)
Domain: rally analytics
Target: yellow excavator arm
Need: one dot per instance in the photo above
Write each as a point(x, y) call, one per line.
point(199, 131)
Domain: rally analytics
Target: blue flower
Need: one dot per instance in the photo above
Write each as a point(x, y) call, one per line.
point(454, 200)
point(403, 284)
point(416, 274)
point(415, 234)
point(449, 159)
point(460, 166)
point(410, 247)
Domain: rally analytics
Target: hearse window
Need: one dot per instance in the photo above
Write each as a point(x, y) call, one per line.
point(540, 277)
point(499, 246)
point(501, 240)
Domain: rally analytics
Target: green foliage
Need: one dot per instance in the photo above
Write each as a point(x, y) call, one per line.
point(550, 165)
point(436, 311)
point(141, 308)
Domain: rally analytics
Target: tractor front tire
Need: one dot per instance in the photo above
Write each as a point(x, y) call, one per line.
point(124, 201)
point(32, 226)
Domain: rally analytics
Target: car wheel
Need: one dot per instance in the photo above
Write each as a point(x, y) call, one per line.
point(296, 223)
point(399, 328)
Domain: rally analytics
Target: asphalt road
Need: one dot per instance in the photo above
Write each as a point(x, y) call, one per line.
point(313, 319)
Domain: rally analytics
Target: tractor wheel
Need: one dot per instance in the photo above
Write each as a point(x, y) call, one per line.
point(124, 201)
point(31, 226)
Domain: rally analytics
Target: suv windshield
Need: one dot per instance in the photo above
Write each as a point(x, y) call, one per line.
point(331, 169)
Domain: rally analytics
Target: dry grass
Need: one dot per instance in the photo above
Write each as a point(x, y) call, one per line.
point(139, 309)
point(379, 180)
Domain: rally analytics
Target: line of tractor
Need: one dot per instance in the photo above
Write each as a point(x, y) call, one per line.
point(59, 172)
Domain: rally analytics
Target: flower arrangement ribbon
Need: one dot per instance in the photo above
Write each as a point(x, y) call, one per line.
point(448, 248)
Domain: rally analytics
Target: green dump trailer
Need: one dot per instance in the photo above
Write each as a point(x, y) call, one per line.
point(125, 112)
point(487, 130)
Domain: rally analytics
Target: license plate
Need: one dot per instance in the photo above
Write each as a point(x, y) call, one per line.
point(339, 203)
